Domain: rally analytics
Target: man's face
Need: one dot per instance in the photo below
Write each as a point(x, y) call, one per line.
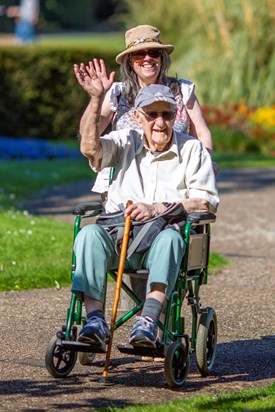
point(157, 121)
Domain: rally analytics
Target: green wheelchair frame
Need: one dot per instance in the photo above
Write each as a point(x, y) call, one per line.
point(176, 345)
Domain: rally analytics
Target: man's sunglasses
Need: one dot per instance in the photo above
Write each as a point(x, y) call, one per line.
point(140, 55)
point(153, 115)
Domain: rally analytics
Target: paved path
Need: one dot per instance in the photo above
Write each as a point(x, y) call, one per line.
point(242, 295)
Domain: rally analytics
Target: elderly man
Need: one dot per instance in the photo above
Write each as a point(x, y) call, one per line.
point(152, 168)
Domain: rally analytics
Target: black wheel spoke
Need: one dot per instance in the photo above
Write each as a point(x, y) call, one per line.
point(59, 361)
point(176, 365)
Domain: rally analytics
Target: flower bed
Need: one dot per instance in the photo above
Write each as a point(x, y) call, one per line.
point(241, 128)
point(33, 149)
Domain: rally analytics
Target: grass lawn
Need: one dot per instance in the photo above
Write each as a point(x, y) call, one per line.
point(35, 252)
point(237, 160)
point(258, 400)
point(25, 178)
point(105, 41)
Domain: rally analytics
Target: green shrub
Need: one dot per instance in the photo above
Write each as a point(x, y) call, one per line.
point(39, 95)
point(234, 141)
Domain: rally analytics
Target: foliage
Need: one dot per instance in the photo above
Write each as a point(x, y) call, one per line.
point(40, 83)
point(260, 399)
point(56, 15)
point(225, 46)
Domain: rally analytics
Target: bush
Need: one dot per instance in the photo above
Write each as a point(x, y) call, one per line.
point(39, 95)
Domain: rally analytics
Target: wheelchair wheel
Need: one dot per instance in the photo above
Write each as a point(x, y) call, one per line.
point(176, 364)
point(206, 342)
point(59, 361)
point(86, 358)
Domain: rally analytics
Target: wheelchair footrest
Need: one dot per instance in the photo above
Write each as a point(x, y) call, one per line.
point(158, 352)
point(80, 347)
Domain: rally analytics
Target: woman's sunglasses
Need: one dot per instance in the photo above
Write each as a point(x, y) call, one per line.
point(140, 55)
point(153, 115)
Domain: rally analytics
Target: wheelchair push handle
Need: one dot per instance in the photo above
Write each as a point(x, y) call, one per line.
point(122, 258)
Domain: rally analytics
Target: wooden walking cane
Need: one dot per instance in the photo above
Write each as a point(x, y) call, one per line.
point(120, 271)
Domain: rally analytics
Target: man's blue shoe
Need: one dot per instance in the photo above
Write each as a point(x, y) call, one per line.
point(96, 333)
point(144, 332)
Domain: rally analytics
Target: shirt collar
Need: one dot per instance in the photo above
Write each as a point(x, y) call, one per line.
point(172, 149)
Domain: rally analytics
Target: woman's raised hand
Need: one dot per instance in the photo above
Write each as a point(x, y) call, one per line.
point(96, 70)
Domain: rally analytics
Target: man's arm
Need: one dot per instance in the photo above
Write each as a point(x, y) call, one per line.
point(107, 80)
point(142, 211)
point(90, 145)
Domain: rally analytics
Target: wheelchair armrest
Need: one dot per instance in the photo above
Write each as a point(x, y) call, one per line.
point(83, 208)
point(201, 217)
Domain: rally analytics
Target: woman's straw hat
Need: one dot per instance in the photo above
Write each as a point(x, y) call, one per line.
point(142, 38)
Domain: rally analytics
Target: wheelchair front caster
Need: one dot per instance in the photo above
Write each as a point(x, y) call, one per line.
point(59, 360)
point(176, 364)
point(206, 342)
point(86, 358)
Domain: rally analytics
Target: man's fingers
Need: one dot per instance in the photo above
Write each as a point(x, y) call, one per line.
point(97, 66)
point(103, 67)
point(112, 77)
point(91, 71)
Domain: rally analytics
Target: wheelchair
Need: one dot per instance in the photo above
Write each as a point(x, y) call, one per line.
point(175, 346)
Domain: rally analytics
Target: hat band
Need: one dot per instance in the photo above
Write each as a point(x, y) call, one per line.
point(143, 40)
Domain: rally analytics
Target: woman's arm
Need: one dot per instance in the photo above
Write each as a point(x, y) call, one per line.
point(198, 126)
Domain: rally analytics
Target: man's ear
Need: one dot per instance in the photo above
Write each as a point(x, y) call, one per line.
point(137, 116)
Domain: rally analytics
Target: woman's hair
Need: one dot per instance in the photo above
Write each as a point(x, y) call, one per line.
point(130, 79)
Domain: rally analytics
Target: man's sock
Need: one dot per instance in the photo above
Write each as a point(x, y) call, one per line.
point(152, 308)
point(98, 313)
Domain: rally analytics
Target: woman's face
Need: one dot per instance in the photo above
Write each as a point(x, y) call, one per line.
point(146, 64)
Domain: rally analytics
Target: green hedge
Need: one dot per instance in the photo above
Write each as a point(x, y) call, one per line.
point(39, 94)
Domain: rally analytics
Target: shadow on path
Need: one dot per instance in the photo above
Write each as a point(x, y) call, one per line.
point(248, 360)
point(234, 180)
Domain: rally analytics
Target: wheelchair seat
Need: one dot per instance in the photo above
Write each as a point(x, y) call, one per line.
point(176, 345)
